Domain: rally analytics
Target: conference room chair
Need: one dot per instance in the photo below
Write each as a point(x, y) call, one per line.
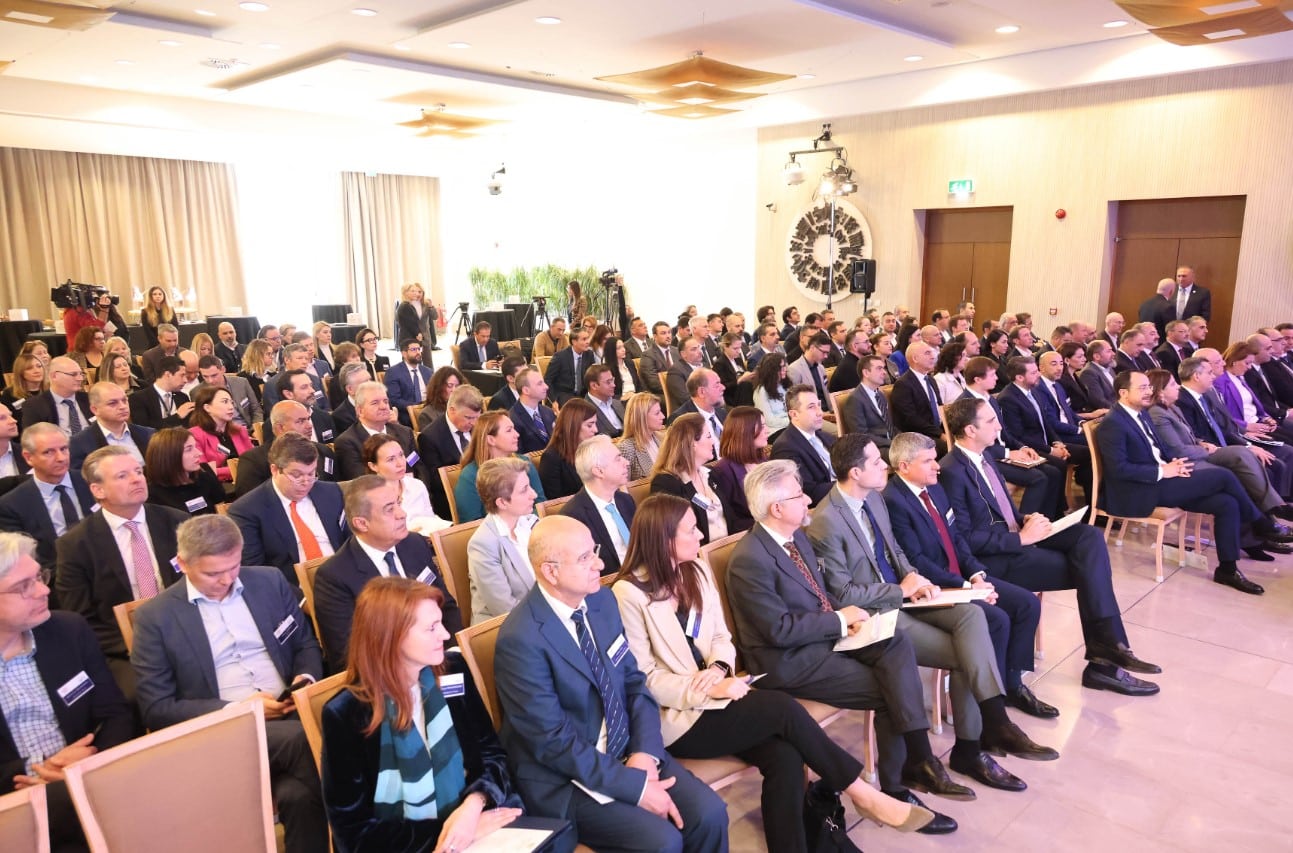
point(639, 490)
point(309, 701)
point(125, 613)
point(449, 475)
point(258, 432)
point(552, 507)
point(24, 821)
point(305, 574)
point(669, 404)
point(233, 469)
point(450, 546)
point(216, 780)
point(542, 362)
point(534, 456)
point(837, 400)
point(453, 355)
point(415, 410)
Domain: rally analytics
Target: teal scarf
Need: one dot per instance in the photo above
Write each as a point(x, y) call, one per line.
point(412, 782)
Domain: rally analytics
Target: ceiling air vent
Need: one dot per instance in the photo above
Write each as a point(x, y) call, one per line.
point(223, 64)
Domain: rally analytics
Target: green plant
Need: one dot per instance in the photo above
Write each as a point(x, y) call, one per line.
point(489, 286)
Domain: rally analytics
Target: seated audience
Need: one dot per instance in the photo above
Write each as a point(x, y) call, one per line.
point(259, 363)
point(1074, 355)
point(576, 422)
point(603, 508)
point(505, 398)
point(704, 397)
point(565, 373)
point(810, 367)
point(680, 470)
point(498, 560)
point(493, 437)
point(177, 476)
point(623, 372)
point(12, 464)
point(368, 357)
point(600, 383)
point(296, 361)
point(443, 443)
point(227, 348)
point(658, 357)
point(111, 425)
point(375, 415)
point(246, 403)
point(63, 402)
point(87, 351)
point(385, 458)
point(219, 439)
point(533, 420)
point(53, 499)
point(744, 444)
point(866, 409)
point(731, 368)
point(805, 443)
point(643, 432)
point(221, 620)
point(407, 383)
point(552, 339)
point(162, 404)
point(117, 368)
point(296, 385)
point(286, 416)
point(948, 369)
point(479, 352)
point(167, 345)
point(915, 399)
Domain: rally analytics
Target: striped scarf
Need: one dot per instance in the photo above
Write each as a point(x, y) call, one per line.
point(414, 782)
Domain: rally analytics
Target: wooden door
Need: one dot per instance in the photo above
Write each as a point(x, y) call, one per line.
point(1155, 236)
point(967, 258)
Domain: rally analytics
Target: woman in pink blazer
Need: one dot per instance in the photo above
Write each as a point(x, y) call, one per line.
point(218, 437)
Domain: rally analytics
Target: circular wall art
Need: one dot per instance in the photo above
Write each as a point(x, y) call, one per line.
point(808, 248)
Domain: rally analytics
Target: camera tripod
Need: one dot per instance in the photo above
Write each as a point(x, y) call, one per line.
point(464, 324)
point(539, 311)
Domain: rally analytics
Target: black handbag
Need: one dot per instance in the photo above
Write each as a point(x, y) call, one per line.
point(824, 826)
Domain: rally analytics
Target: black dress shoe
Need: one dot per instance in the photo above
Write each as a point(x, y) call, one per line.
point(1284, 511)
point(940, 825)
point(983, 768)
point(1272, 547)
point(931, 777)
point(1237, 580)
point(1121, 655)
point(1022, 699)
point(1012, 740)
point(1107, 676)
point(1272, 530)
point(1256, 554)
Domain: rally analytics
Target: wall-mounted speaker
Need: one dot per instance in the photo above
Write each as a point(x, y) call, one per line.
point(863, 278)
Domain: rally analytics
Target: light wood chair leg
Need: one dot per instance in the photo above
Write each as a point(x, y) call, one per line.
point(1180, 545)
point(1039, 650)
point(1158, 553)
point(870, 772)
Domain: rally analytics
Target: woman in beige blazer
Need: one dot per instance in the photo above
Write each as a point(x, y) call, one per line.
point(674, 624)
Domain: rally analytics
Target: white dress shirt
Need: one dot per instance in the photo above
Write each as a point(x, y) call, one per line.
point(306, 509)
point(121, 535)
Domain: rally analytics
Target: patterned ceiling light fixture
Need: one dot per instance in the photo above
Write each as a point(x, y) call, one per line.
point(437, 122)
point(1194, 22)
point(698, 84)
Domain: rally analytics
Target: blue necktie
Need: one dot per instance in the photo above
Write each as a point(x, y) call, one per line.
point(933, 399)
point(538, 424)
point(619, 522)
point(617, 729)
point(70, 515)
point(881, 561)
point(390, 564)
point(1216, 430)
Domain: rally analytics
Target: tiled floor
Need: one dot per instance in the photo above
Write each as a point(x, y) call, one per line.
point(1204, 765)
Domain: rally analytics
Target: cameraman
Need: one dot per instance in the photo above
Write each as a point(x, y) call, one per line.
point(80, 314)
point(105, 309)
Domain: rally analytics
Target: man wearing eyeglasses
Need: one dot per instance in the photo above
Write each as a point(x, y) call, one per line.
point(808, 370)
point(60, 703)
point(286, 416)
point(64, 404)
point(293, 517)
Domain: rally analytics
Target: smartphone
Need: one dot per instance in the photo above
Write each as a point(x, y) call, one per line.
point(295, 685)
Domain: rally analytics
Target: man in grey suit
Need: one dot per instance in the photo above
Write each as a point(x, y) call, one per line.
point(246, 408)
point(1097, 376)
point(231, 633)
point(637, 343)
point(690, 357)
point(600, 383)
point(657, 358)
point(864, 566)
point(866, 410)
point(808, 369)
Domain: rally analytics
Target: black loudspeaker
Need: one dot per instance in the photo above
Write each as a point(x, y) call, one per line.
point(863, 278)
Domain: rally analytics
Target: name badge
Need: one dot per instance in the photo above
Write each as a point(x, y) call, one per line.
point(693, 624)
point(196, 504)
point(175, 564)
point(452, 685)
point(427, 576)
point(950, 516)
point(327, 464)
point(318, 395)
point(226, 451)
point(17, 405)
point(413, 459)
point(94, 507)
point(285, 629)
point(700, 502)
point(243, 402)
point(76, 687)
point(618, 650)
point(327, 435)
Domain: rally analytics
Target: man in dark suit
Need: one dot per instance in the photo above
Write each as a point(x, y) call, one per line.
point(60, 698)
point(565, 673)
point(12, 465)
point(915, 398)
point(162, 404)
point(1061, 421)
point(1175, 347)
point(480, 352)
point(1013, 613)
point(1111, 334)
point(637, 342)
point(505, 398)
point(168, 346)
point(52, 500)
point(444, 442)
point(600, 383)
point(705, 398)
point(406, 382)
point(1130, 348)
point(64, 404)
point(249, 617)
point(805, 443)
point(287, 416)
point(1158, 309)
point(1137, 479)
point(348, 378)
point(1022, 415)
point(565, 375)
point(376, 415)
point(227, 348)
point(863, 565)
point(292, 517)
point(295, 357)
point(1190, 299)
point(790, 321)
point(120, 553)
point(730, 365)
point(767, 342)
point(1074, 355)
point(1097, 376)
point(111, 425)
point(294, 385)
point(657, 358)
point(1258, 380)
point(606, 511)
point(380, 546)
point(533, 420)
point(789, 623)
point(847, 376)
point(866, 410)
point(689, 360)
point(1024, 551)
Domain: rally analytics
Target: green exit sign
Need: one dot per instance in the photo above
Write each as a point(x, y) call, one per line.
point(964, 186)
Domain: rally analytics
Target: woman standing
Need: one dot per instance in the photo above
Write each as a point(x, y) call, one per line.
point(409, 764)
point(415, 319)
point(384, 457)
point(156, 311)
point(218, 438)
point(576, 421)
point(493, 437)
point(577, 303)
point(177, 476)
point(744, 444)
point(681, 471)
point(770, 384)
point(498, 559)
point(674, 624)
point(643, 432)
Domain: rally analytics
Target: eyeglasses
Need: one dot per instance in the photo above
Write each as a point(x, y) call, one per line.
point(77, 375)
point(792, 498)
point(25, 588)
point(582, 559)
point(367, 340)
point(307, 477)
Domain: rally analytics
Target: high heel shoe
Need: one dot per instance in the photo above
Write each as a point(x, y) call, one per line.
point(918, 817)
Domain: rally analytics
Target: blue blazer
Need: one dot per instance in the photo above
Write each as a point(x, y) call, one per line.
point(399, 387)
point(1130, 484)
point(552, 711)
point(1194, 416)
point(267, 535)
point(1020, 418)
point(531, 439)
point(792, 445)
point(22, 510)
point(918, 537)
point(173, 660)
point(1066, 431)
point(978, 521)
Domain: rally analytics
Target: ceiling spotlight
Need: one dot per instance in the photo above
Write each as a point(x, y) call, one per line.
point(495, 185)
point(269, 45)
point(254, 7)
point(838, 180)
point(807, 76)
point(915, 57)
point(459, 45)
point(547, 19)
point(402, 47)
point(364, 13)
point(204, 13)
point(169, 43)
point(793, 173)
point(1113, 25)
point(1007, 29)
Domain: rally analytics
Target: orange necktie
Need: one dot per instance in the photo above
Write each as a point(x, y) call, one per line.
point(309, 545)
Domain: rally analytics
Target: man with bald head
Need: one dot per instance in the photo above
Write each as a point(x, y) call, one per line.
point(932, 335)
point(915, 399)
point(1276, 369)
point(111, 425)
point(286, 416)
point(1113, 326)
point(1158, 309)
point(191, 377)
point(227, 348)
point(64, 404)
point(1275, 404)
point(580, 727)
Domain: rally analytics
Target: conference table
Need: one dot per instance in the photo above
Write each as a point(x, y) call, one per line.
point(246, 327)
point(330, 314)
point(488, 382)
point(342, 332)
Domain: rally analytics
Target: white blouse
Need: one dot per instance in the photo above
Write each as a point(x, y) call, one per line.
point(417, 506)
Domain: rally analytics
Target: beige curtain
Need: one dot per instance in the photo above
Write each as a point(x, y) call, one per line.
point(122, 222)
point(392, 227)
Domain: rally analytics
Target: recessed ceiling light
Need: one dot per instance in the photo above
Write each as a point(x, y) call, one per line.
point(204, 13)
point(169, 43)
point(269, 45)
point(1007, 29)
point(364, 13)
point(249, 6)
point(402, 47)
point(547, 19)
point(89, 78)
point(1113, 25)
point(806, 77)
point(459, 45)
point(125, 61)
point(915, 57)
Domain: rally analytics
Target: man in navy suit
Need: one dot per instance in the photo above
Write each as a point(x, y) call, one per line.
point(704, 397)
point(286, 416)
point(406, 383)
point(111, 425)
point(505, 398)
point(1138, 478)
point(162, 404)
point(295, 357)
point(40, 506)
point(565, 376)
point(233, 633)
point(443, 443)
point(380, 546)
point(293, 516)
point(915, 398)
point(600, 505)
point(295, 386)
point(1022, 415)
point(61, 701)
point(1061, 421)
point(600, 383)
point(805, 444)
point(480, 352)
point(1023, 550)
point(64, 404)
point(581, 729)
point(533, 420)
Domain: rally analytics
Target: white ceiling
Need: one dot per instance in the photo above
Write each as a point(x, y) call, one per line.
point(316, 56)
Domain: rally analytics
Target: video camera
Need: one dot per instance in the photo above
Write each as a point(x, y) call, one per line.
point(71, 294)
point(608, 277)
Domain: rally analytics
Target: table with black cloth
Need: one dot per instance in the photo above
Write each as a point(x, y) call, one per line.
point(13, 333)
point(503, 324)
point(343, 332)
point(330, 313)
point(246, 327)
point(524, 313)
point(188, 331)
point(488, 382)
point(55, 342)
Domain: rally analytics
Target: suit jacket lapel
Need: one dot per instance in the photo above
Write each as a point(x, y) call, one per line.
point(808, 451)
point(267, 619)
point(854, 526)
point(556, 635)
point(190, 619)
point(782, 557)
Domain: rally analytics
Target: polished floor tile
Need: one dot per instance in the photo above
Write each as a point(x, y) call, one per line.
point(1202, 766)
